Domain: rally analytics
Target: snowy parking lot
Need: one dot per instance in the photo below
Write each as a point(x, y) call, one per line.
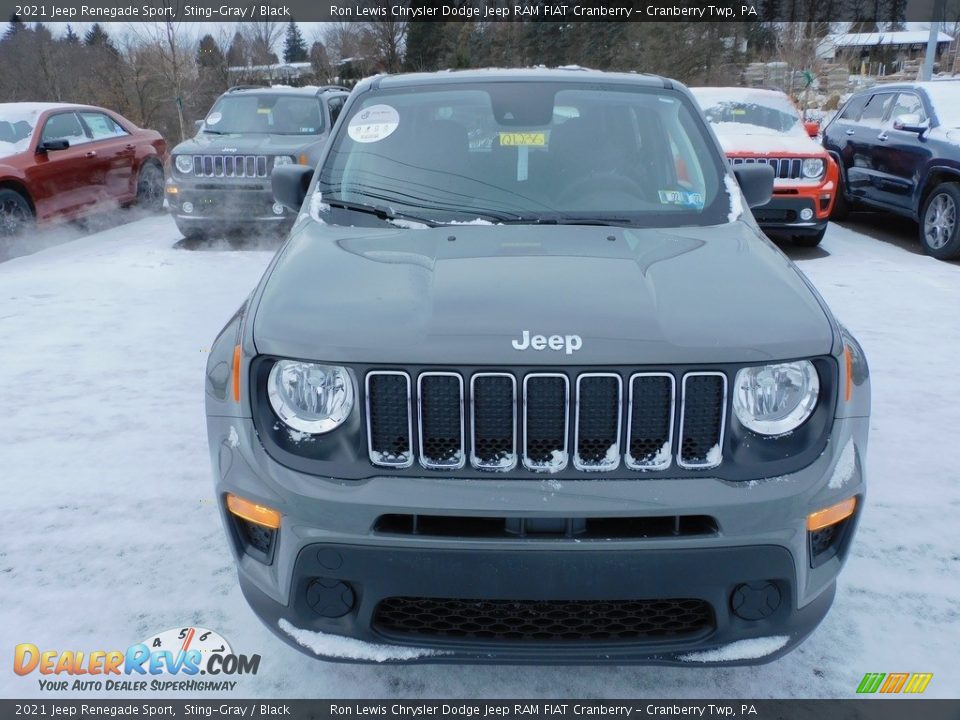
point(111, 534)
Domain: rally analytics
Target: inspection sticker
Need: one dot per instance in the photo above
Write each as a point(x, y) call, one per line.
point(373, 124)
point(523, 139)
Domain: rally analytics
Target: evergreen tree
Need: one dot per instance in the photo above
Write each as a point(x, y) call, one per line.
point(238, 54)
point(71, 37)
point(209, 54)
point(424, 46)
point(294, 46)
point(97, 37)
point(16, 25)
point(320, 62)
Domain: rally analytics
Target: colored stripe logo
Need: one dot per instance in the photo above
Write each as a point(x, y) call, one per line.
point(893, 683)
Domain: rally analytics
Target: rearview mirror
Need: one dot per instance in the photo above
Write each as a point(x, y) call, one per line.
point(812, 127)
point(756, 183)
point(289, 184)
point(911, 122)
point(49, 145)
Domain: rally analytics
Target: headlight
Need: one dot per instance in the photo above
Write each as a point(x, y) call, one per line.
point(776, 399)
point(813, 167)
point(308, 397)
point(184, 163)
point(283, 160)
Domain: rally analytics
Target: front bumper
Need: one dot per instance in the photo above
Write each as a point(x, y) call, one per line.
point(328, 532)
point(785, 212)
point(235, 203)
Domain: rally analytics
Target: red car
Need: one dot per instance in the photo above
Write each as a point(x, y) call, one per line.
point(59, 162)
point(756, 125)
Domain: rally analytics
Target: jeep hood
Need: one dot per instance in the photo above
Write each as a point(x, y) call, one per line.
point(247, 144)
point(461, 296)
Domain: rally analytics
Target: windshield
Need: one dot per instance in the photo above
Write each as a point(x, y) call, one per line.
point(527, 152)
point(266, 114)
point(17, 123)
point(945, 96)
point(734, 111)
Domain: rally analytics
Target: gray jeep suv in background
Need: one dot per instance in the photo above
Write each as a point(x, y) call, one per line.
point(220, 179)
point(517, 389)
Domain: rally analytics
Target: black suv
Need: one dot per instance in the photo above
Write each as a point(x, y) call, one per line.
point(898, 148)
point(220, 179)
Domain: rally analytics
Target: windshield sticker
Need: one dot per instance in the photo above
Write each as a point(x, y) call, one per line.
point(686, 198)
point(214, 118)
point(523, 139)
point(373, 124)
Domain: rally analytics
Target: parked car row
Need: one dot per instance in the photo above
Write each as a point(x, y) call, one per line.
point(893, 148)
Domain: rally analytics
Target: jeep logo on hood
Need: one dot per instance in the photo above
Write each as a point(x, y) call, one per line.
point(570, 343)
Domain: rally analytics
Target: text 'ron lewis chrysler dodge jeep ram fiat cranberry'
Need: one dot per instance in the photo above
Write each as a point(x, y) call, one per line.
point(526, 383)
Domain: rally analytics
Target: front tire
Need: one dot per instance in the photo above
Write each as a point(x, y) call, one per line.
point(191, 231)
point(150, 187)
point(939, 226)
point(16, 215)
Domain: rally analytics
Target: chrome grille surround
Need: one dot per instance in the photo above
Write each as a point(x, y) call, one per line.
point(560, 463)
point(236, 166)
point(533, 442)
point(461, 455)
point(377, 457)
point(607, 464)
point(474, 460)
point(723, 422)
point(667, 452)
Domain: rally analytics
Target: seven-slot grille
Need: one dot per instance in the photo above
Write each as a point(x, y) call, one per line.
point(497, 421)
point(783, 168)
point(241, 166)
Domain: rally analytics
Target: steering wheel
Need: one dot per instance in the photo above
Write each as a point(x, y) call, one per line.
point(607, 185)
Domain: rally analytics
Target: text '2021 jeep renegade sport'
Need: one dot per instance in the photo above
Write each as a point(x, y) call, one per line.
point(515, 389)
point(220, 179)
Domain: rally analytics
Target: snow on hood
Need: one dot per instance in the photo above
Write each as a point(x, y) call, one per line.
point(347, 648)
point(743, 138)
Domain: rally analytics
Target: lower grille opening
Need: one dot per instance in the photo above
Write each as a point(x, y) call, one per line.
point(591, 528)
point(544, 620)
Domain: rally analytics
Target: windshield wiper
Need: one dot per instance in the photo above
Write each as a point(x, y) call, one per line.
point(381, 212)
point(213, 132)
point(572, 220)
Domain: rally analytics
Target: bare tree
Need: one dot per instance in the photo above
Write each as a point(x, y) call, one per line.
point(263, 36)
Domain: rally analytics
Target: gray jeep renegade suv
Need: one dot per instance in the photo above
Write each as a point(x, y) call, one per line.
point(526, 383)
point(220, 179)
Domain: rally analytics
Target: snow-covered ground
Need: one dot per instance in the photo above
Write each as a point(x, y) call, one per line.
point(110, 533)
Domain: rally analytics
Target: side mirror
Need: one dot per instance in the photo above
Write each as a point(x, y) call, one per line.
point(198, 125)
point(289, 184)
point(812, 127)
point(911, 122)
point(50, 145)
point(756, 183)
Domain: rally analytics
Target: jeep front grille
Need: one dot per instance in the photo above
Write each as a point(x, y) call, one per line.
point(544, 620)
point(783, 168)
point(240, 166)
point(498, 421)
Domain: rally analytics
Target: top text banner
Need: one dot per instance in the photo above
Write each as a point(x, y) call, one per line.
point(472, 10)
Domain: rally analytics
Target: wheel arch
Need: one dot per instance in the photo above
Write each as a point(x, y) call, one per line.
point(8, 183)
point(936, 175)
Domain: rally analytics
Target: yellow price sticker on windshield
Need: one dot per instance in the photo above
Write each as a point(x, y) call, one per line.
point(524, 139)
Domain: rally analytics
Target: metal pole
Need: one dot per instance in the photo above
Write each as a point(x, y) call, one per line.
point(927, 71)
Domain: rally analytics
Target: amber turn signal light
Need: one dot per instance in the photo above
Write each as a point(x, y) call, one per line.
point(258, 514)
point(236, 374)
point(848, 358)
point(831, 515)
